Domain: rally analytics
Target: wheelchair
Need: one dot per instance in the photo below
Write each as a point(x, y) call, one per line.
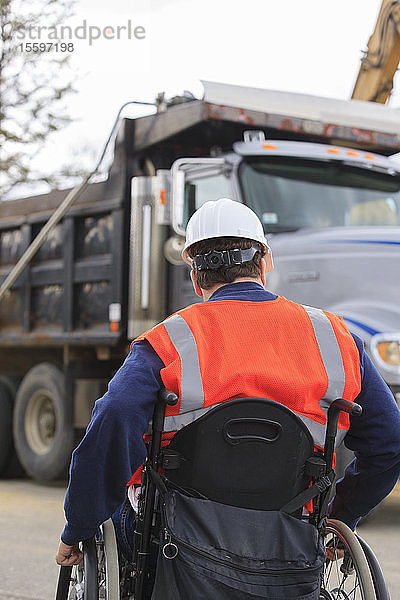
point(227, 518)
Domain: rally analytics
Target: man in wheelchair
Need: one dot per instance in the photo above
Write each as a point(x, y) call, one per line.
point(255, 474)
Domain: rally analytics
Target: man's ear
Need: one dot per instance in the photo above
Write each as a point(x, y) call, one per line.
point(266, 266)
point(196, 287)
point(269, 262)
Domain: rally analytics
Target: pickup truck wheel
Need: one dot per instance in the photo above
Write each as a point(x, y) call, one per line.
point(43, 433)
point(9, 463)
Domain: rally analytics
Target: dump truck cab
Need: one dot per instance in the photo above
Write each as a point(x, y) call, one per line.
point(331, 215)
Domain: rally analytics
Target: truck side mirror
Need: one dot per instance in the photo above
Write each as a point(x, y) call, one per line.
point(179, 175)
point(178, 198)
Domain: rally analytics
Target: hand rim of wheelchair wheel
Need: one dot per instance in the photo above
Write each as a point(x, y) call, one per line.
point(348, 577)
point(107, 567)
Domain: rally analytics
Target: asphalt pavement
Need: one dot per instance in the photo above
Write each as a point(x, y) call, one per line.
point(31, 520)
point(382, 532)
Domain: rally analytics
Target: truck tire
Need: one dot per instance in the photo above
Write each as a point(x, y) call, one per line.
point(9, 463)
point(5, 426)
point(43, 431)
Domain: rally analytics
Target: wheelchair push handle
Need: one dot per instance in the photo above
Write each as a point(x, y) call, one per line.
point(167, 397)
point(342, 405)
point(339, 405)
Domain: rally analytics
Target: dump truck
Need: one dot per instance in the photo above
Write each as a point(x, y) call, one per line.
point(320, 175)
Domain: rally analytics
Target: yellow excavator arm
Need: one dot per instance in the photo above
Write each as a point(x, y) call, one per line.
point(379, 64)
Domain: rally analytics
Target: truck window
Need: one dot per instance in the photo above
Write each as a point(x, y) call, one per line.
point(201, 189)
point(289, 195)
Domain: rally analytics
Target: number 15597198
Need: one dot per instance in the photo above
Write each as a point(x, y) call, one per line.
point(46, 47)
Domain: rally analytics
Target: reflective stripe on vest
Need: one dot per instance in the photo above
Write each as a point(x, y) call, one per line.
point(333, 363)
point(192, 396)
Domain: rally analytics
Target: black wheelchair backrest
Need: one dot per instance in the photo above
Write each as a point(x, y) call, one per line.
point(247, 452)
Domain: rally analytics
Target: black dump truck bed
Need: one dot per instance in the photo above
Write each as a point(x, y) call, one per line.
point(65, 292)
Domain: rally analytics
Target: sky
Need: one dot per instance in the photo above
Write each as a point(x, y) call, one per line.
point(309, 46)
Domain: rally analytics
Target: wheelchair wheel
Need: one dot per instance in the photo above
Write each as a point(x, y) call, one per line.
point(347, 574)
point(97, 577)
point(381, 591)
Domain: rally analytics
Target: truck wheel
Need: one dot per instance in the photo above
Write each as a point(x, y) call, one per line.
point(43, 432)
point(5, 426)
point(9, 463)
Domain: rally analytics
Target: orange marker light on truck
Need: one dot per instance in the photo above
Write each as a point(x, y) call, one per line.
point(351, 153)
point(333, 151)
point(163, 197)
point(369, 156)
point(269, 146)
point(114, 326)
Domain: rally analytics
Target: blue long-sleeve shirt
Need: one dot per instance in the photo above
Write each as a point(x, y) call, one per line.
point(113, 448)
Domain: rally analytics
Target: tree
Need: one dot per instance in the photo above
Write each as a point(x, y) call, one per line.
point(34, 82)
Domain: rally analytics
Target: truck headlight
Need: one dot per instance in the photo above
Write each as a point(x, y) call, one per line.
point(389, 352)
point(385, 348)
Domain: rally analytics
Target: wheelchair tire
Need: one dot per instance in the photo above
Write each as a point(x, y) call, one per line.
point(348, 577)
point(381, 591)
point(98, 575)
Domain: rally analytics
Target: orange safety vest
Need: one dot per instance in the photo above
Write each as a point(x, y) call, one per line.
point(296, 355)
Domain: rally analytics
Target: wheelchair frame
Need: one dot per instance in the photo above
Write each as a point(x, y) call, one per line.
point(100, 569)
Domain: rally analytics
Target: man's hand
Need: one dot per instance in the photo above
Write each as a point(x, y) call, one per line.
point(333, 554)
point(68, 555)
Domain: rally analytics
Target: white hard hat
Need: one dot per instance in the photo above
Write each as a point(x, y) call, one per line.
point(223, 218)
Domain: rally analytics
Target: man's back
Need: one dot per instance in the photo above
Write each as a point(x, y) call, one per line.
point(244, 341)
